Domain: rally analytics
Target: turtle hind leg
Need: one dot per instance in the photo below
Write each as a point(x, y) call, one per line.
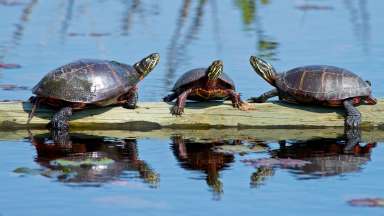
point(264, 97)
point(60, 119)
point(35, 103)
point(178, 108)
point(353, 117)
point(132, 98)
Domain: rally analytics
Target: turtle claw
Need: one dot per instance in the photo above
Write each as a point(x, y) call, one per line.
point(236, 104)
point(177, 111)
point(352, 121)
point(130, 106)
point(244, 106)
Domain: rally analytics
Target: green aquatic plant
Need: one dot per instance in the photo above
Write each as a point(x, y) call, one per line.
point(88, 161)
point(248, 9)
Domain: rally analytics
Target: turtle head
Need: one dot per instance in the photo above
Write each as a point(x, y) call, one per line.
point(214, 70)
point(264, 69)
point(147, 64)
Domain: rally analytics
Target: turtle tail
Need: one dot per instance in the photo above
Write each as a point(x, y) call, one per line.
point(35, 103)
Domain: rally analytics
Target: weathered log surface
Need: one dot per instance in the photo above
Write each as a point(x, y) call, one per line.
point(155, 115)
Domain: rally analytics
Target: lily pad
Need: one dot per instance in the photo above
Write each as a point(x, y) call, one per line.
point(27, 171)
point(239, 149)
point(276, 162)
point(88, 161)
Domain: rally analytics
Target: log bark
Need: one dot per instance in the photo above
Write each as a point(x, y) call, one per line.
point(155, 115)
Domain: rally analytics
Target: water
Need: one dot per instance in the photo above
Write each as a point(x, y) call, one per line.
point(169, 174)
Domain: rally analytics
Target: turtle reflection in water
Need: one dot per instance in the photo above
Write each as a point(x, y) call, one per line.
point(314, 158)
point(326, 157)
point(198, 155)
point(91, 160)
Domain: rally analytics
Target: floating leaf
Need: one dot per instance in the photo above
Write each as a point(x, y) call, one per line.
point(88, 161)
point(26, 171)
point(239, 149)
point(97, 34)
point(306, 7)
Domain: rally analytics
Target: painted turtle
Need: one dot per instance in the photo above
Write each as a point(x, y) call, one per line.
point(203, 84)
point(316, 84)
point(87, 82)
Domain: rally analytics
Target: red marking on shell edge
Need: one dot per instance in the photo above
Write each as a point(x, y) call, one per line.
point(356, 100)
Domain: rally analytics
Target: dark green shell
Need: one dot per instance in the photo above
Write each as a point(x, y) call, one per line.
point(322, 83)
point(196, 74)
point(87, 81)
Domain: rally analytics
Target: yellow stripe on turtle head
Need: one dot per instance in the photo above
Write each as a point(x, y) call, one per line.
point(215, 69)
point(264, 69)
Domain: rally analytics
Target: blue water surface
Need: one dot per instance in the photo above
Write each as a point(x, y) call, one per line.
point(42, 35)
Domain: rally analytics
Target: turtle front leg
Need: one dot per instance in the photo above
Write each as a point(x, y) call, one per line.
point(178, 108)
point(353, 117)
point(133, 97)
point(235, 98)
point(60, 119)
point(264, 97)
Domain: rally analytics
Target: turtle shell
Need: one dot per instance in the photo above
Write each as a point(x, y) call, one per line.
point(87, 81)
point(321, 83)
point(196, 74)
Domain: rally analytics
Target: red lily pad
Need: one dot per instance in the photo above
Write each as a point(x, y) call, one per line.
point(9, 66)
point(10, 87)
point(367, 202)
point(10, 2)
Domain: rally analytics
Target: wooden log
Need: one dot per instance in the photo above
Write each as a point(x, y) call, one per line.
point(155, 115)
